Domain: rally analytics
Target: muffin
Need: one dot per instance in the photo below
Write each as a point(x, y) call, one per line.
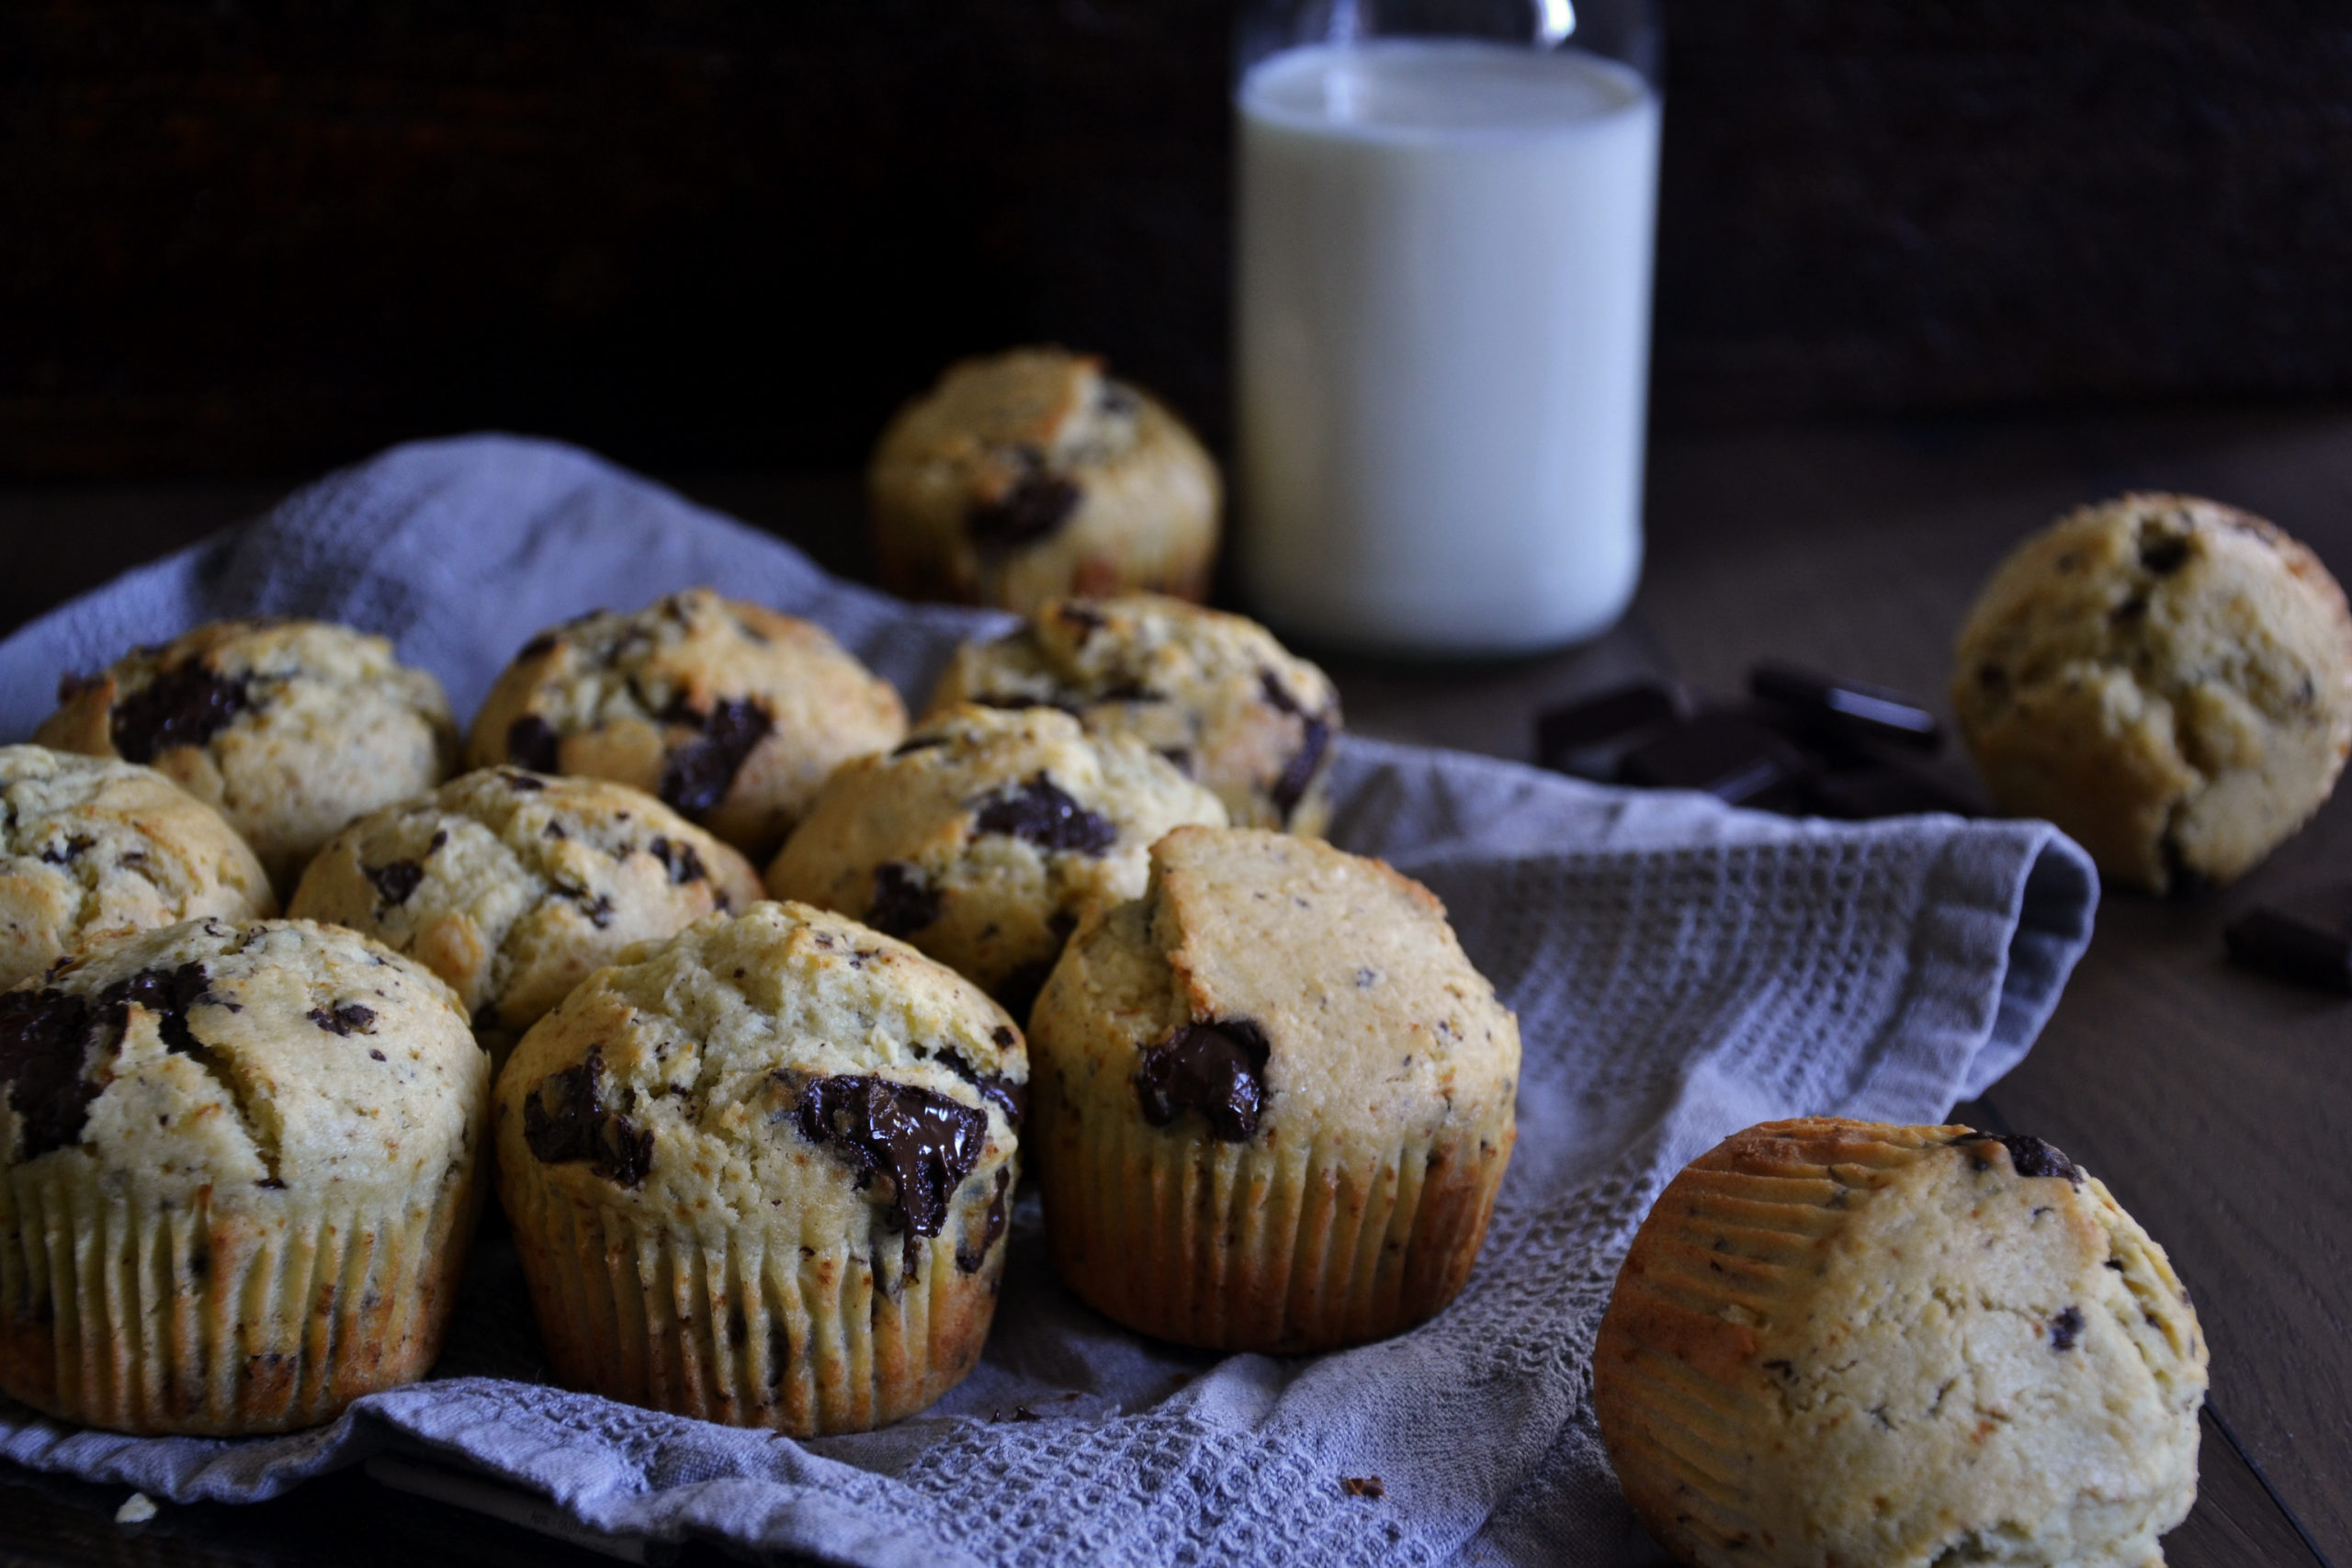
point(288, 728)
point(512, 885)
point(92, 849)
point(1274, 1100)
point(761, 1174)
point(1031, 475)
point(729, 713)
point(1839, 1342)
point(1214, 693)
point(2166, 678)
point(987, 836)
point(238, 1174)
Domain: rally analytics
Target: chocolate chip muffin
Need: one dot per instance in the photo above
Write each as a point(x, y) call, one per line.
point(512, 885)
point(729, 713)
point(92, 849)
point(1840, 1342)
point(761, 1174)
point(288, 728)
point(1274, 1100)
point(987, 836)
point(1031, 475)
point(1214, 693)
point(2167, 679)
point(238, 1174)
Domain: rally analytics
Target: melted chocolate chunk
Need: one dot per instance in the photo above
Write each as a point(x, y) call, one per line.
point(2164, 554)
point(44, 1042)
point(567, 1119)
point(2065, 1328)
point(1008, 1097)
point(1217, 1069)
point(680, 860)
point(2031, 1157)
point(1041, 813)
point(345, 1018)
point(993, 1228)
point(903, 903)
point(395, 880)
point(531, 743)
point(66, 854)
point(185, 706)
point(1034, 509)
point(166, 993)
point(1299, 772)
point(696, 774)
point(923, 1143)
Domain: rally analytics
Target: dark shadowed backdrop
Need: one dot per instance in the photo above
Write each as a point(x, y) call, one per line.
point(253, 238)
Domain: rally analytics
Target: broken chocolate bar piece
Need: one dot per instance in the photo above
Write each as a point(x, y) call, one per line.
point(2307, 939)
point(1885, 789)
point(1728, 755)
point(1568, 737)
point(1848, 709)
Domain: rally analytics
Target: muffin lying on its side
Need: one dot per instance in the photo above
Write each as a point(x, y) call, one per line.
point(512, 885)
point(1274, 1100)
point(1214, 693)
point(238, 1174)
point(987, 836)
point(2166, 678)
point(1032, 474)
point(761, 1174)
point(1840, 1342)
point(289, 728)
point(92, 849)
point(730, 714)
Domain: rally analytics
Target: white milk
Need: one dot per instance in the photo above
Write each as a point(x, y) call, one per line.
point(1443, 342)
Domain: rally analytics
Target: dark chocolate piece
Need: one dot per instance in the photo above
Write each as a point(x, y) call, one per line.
point(922, 1143)
point(66, 854)
point(531, 743)
point(567, 1119)
point(1217, 1069)
point(1884, 789)
point(992, 1226)
point(44, 1047)
point(914, 743)
point(1040, 812)
point(1848, 708)
point(1298, 773)
point(680, 860)
point(345, 1018)
point(166, 993)
point(2031, 1157)
point(394, 880)
point(1614, 716)
point(1034, 509)
point(696, 774)
point(2065, 1328)
point(903, 902)
point(1008, 1097)
point(185, 706)
point(543, 643)
point(2306, 939)
point(2163, 554)
point(1728, 755)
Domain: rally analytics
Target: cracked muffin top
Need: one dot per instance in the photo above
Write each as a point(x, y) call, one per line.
point(288, 728)
point(2167, 679)
point(512, 886)
point(92, 849)
point(785, 1069)
point(729, 713)
point(1027, 475)
point(987, 836)
point(1839, 1342)
point(1270, 988)
point(265, 1061)
point(1214, 693)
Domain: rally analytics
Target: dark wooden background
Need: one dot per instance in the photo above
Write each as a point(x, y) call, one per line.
point(243, 237)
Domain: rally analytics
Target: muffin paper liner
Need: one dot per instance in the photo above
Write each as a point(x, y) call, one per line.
point(1242, 1247)
point(213, 1318)
point(747, 1327)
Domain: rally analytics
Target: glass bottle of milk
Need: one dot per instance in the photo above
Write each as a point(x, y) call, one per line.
point(1446, 212)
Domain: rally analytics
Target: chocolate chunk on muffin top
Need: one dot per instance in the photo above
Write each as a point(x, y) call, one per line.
point(1215, 693)
point(987, 836)
point(288, 728)
point(512, 886)
point(729, 713)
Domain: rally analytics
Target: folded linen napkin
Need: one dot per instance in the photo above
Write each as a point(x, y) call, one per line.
point(1680, 970)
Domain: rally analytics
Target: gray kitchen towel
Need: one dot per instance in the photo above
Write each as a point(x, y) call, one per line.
point(1680, 970)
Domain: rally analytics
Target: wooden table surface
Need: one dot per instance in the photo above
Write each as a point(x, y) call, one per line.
point(2215, 1103)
